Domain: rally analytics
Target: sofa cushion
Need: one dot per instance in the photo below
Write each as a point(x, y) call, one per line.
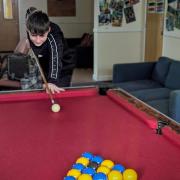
point(139, 84)
point(174, 105)
point(132, 71)
point(161, 69)
point(161, 105)
point(152, 94)
point(173, 77)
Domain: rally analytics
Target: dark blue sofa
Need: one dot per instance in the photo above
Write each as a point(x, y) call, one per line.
point(156, 83)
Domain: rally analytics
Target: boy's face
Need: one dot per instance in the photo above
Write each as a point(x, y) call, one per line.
point(38, 40)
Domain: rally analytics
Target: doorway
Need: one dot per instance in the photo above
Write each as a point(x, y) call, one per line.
point(83, 73)
point(154, 36)
point(9, 31)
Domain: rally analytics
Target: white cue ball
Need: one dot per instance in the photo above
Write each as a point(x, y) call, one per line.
point(55, 107)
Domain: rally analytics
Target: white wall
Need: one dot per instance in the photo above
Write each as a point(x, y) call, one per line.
point(171, 43)
point(71, 26)
point(118, 44)
point(111, 48)
point(171, 47)
point(171, 40)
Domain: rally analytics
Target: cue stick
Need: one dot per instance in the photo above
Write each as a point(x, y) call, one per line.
point(42, 75)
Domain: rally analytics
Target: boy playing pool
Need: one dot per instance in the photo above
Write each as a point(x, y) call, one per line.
point(47, 41)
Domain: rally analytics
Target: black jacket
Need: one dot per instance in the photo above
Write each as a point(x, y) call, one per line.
point(50, 54)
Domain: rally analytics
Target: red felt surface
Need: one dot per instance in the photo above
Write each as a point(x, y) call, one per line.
point(36, 144)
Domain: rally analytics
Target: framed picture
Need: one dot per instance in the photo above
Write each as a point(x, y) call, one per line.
point(61, 7)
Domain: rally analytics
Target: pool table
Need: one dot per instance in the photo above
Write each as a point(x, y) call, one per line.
point(37, 144)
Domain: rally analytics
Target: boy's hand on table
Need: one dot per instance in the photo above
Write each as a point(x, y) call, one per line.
point(53, 88)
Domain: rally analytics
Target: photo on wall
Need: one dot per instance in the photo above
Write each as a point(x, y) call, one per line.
point(173, 15)
point(170, 19)
point(117, 14)
point(155, 6)
point(112, 12)
point(127, 3)
point(177, 20)
point(160, 6)
point(171, 1)
point(129, 14)
point(105, 14)
point(132, 2)
point(178, 4)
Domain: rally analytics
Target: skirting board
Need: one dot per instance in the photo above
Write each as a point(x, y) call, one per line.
point(102, 78)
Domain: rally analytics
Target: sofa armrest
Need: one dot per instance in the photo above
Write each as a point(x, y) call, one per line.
point(132, 71)
point(174, 105)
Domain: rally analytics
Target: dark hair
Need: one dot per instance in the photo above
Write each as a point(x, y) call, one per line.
point(38, 23)
point(29, 11)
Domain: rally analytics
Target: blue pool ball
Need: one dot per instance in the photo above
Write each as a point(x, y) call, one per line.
point(99, 176)
point(78, 166)
point(89, 171)
point(119, 167)
point(69, 178)
point(97, 159)
point(87, 155)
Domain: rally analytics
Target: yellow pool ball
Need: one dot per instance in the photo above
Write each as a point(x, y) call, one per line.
point(115, 175)
point(74, 172)
point(103, 169)
point(83, 160)
point(108, 163)
point(130, 174)
point(55, 108)
point(84, 177)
